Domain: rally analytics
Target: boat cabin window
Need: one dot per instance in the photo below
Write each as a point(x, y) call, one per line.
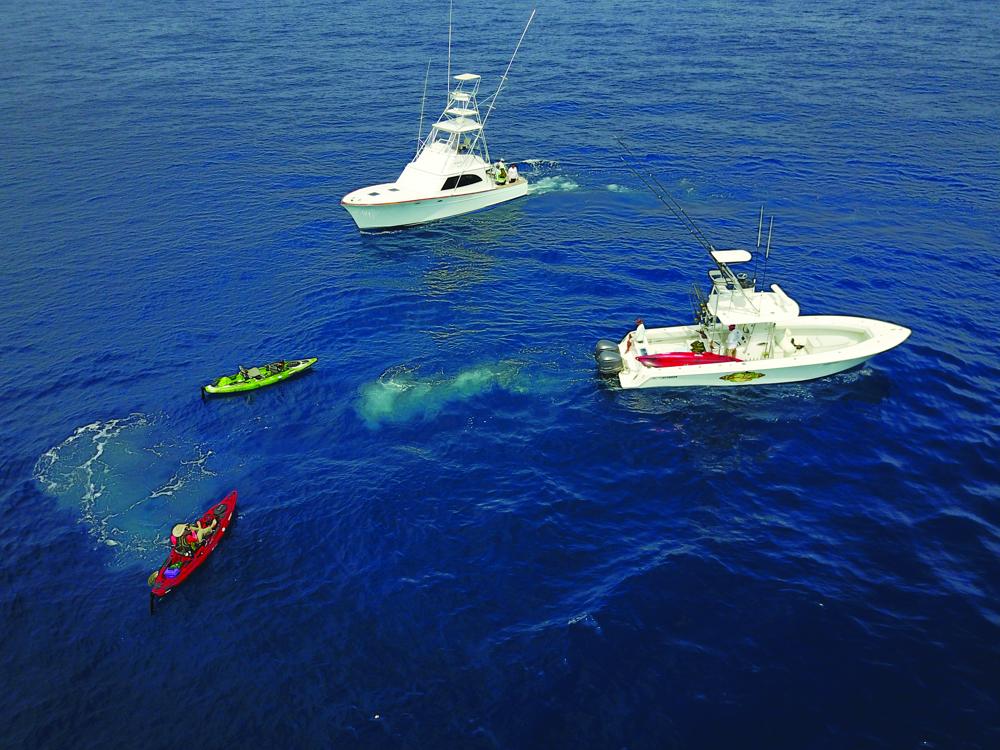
point(461, 180)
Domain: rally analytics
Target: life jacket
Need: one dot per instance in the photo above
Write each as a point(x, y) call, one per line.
point(186, 544)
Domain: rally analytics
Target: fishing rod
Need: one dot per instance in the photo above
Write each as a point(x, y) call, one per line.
point(657, 189)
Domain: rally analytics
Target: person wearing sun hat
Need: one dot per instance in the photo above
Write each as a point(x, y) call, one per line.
point(186, 538)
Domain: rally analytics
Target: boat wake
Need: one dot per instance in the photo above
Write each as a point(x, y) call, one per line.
point(399, 395)
point(614, 188)
point(396, 230)
point(551, 185)
point(128, 481)
point(539, 163)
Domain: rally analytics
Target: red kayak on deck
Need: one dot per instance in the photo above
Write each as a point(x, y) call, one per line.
point(223, 511)
point(680, 359)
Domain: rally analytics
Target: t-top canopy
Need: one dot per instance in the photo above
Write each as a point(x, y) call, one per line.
point(745, 306)
point(460, 96)
point(467, 77)
point(731, 256)
point(462, 111)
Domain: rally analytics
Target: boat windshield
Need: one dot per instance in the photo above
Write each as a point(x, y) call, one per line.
point(443, 138)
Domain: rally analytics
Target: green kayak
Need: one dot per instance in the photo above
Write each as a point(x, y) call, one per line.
point(258, 377)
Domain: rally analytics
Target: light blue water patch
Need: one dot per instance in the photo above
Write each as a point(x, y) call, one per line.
point(129, 479)
point(400, 395)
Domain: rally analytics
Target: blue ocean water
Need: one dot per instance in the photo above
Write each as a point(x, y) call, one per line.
point(452, 534)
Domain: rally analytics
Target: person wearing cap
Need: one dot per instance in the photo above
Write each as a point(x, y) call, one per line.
point(501, 173)
point(186, 538)
point(733, 340)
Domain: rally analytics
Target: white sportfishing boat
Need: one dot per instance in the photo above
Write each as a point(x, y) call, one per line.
point(742, 335)
point(451, 172)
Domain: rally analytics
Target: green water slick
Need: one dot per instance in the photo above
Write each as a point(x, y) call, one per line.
point(257, 377)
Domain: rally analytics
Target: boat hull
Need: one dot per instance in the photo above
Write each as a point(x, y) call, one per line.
point(744, 373)
point(230, 384)
point(414, 212)
point(223, 512)
point(865, 338)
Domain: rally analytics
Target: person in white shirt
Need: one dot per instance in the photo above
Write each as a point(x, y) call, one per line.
point(733, 340)
point(512, 173)
point(639, 339)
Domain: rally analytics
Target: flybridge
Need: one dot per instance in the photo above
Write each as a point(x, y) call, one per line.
point(458, 133)
point(451, 172)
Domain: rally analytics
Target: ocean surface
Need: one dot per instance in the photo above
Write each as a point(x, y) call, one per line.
point(451, 533)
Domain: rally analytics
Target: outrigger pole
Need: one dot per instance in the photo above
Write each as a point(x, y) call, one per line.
point(420, 127)
point(448, 91)
point(503, 78)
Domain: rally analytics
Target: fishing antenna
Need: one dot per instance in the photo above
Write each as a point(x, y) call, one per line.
point(660, 192)
point(423, 101)
point(756, 255)
point(767, 252)
point(503, 78)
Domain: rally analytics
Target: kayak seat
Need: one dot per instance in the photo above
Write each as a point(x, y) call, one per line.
point(254, 372)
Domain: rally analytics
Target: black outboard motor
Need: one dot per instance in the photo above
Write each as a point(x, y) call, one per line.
point(609, 361)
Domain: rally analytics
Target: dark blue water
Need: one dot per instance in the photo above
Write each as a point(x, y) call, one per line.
point(451, 533)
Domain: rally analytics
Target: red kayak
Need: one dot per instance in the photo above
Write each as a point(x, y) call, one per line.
point(680, 359)
point(178, 567)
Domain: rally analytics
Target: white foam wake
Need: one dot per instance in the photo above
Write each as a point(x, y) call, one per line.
point(129, 480)
point(551, 184)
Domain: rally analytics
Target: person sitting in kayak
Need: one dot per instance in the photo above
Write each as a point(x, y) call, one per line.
point(187, 538)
